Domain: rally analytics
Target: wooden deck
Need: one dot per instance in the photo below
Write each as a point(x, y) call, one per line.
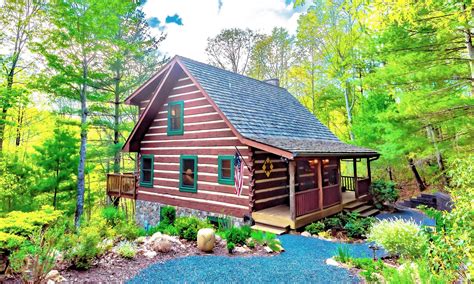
point(122, 185)
point(279, 216)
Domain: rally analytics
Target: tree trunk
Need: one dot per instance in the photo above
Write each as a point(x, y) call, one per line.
point(348, 110)
point(470, 49)
point(6, 105)
point(116, 201)
point(390, 173)
point(419, 181)
point(19, 124)
point(439, 157)
point(83, 148)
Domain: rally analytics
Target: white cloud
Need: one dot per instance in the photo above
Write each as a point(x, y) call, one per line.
point(202, 19)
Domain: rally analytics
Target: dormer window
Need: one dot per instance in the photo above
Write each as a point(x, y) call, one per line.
point(175, 118)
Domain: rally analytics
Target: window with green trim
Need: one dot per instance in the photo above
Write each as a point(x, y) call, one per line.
point(225, 172)
point(188, 173)
point(146, 170)
point(175, 118)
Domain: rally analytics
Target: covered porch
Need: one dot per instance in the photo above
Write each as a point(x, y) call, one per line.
point(317, 189)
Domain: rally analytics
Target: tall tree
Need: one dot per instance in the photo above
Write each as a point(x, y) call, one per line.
point(231, 49)
point(19, 21)
point(273, 56)
point(74, 48)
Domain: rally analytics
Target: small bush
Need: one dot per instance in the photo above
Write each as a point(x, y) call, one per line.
point(112, 215)
point(230, 247)
point(383, 191)
point(315, 228)
point(274, 244)
point(258, 237)
point(399, 237)
point(126, 250)
point(357, 227)
point(168, 215)
point(251, 244)
point(188, 227)
point(130, 231)
point(238, 235)
point(83, 248)
point(336, 222)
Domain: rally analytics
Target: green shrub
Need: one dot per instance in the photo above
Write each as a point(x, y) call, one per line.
point(83, 248)
point(238, 235)
point(343, 254)
point(356, 226)
point(130, 230)
point(112, 215)
point(168, 215)
point(315, 228)
point(383, 191)
point(258, 237)
point(399, 237)
point(230, 247)
point(26, 223)
point(336, 222)
point(251, 244)
point(126, 250)
point(187, 227)
point(274, 244)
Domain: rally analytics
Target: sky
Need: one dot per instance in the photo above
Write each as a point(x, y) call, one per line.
point(188, 23)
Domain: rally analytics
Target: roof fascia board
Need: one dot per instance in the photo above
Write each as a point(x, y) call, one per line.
point(129, 99)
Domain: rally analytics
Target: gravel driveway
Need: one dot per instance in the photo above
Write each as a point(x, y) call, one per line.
point(303, 261)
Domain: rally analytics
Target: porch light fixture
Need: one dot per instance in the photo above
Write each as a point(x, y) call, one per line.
point(325, 161)
point(314, 162)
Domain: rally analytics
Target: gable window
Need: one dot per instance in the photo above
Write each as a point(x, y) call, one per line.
point(175, 118)
point(225, 169)
point(188, 173)
point(146, 170)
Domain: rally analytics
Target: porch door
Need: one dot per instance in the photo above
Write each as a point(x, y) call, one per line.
point(307, 191)
point(330, 175)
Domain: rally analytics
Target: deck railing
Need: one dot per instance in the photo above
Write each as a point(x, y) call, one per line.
point(331, 195)
point(307, 201)
point(348, 183)
point(122, 185)
point(363, 185)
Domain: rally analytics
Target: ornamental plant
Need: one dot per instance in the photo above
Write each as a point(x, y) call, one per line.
point(315, 228)
point(399, 237)
point(382, 192)
point(188, 227)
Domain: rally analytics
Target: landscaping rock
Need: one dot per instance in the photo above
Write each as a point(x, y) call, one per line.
point(241, 250)
point(162, 245)
point(149, 254)
point(54, 276)
point(306, 234)
point(206, 239)
point(218, 239)
point(331, 261)
point(267, 249)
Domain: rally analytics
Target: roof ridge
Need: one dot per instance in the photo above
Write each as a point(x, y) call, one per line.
point(228, 71)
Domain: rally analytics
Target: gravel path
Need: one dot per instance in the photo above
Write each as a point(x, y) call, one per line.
point(303, 261)
point(409, 214)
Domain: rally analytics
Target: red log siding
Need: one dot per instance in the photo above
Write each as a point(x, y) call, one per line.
point(205, 135)
point(273, 190)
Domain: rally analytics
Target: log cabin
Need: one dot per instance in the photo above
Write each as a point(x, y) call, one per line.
point(214, 143)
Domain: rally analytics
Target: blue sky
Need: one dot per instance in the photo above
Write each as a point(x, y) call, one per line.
point(188, 23)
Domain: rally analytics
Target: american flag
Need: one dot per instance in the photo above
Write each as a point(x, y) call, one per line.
point(238, 174)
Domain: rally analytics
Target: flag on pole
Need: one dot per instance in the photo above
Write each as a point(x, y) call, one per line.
point(238, 174)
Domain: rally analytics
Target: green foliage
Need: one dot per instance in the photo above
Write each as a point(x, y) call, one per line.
point(238, 235)
point(230, 247)
point(126, 250)
point(26, 223)
point(357, 226)
point(251, 244)
point(399, 237)
point(112, 215)
point(188, 227)
point(343, 254)
point(267, 239)
point(130, 230)
point(315, 228)
point(82, 248)
point(167, 214)
point(383, 191)
point(336, 222)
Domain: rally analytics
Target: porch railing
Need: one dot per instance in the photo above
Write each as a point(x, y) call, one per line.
point(331, 195)
point(307, 201)
point(348, 183)
point(363, 185)
point(122, 185)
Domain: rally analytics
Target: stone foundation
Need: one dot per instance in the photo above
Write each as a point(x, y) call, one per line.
point(147, 213)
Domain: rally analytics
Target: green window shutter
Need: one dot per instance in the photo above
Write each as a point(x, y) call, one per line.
point(146, 170)
point(225, 170)
point(188, 173)
point(176, 121)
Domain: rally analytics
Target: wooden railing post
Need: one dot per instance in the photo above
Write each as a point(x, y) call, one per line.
point(320, 183)
point(291, 170)
point(120, 185)
point(355, 178)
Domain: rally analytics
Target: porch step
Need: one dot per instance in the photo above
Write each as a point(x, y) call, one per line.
point(269, 229)
point(369, 213)
point(354, 204)
point(362, 208)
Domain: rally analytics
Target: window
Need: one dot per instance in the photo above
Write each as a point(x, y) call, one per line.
point(188, 173)
point(175, 118)
point(306, 174)
point(225, 169)
point(146, 170)
point(330, 172)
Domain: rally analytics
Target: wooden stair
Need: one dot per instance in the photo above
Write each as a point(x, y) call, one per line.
point(274, 220)
point(361, 207)
point(270, 229)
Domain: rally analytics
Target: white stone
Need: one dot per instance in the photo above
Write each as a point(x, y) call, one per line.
point(206, 239)
point(240, 250)
point(54, 277)
point(149, 254)
point(268, 250)
point(306, 234)
point(331, 261)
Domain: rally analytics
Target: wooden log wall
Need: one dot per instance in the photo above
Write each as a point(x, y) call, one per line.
point(273, 190)
point(205, 135)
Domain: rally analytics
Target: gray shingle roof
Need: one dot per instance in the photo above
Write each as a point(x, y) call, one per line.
point(263, 112)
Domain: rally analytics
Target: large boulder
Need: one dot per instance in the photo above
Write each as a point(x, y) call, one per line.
point(54, 276)
point(162, 245)
point(206, 239)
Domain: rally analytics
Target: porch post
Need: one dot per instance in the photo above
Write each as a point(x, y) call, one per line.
point(320, 183)
point(369, 174)
point(291, 170)
point(356, 187)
